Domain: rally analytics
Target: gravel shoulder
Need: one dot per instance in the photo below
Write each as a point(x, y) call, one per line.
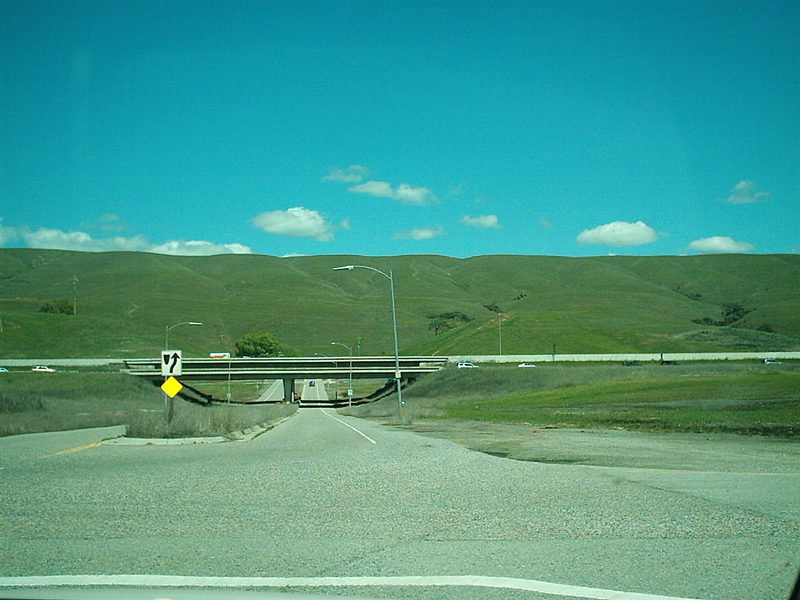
point(619, 448)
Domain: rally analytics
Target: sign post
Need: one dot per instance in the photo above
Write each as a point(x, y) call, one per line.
point(171, 365)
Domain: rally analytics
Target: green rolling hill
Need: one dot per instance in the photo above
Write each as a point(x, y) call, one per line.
point(444, 305)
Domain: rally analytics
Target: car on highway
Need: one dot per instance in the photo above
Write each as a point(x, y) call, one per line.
point(771, 361)
point(43, 369)
point(526, 365)
point(466, 365)
point(4, 370)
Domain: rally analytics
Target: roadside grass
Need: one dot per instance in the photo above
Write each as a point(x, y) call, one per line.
point(193, 420)
point(241, 391)
point(750, 403)
point(732, 398)
point(39, 402)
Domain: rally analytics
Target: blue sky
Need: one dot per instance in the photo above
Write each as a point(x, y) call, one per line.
point(463, 128)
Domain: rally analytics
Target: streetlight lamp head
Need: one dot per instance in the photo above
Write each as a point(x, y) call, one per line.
point(194, 323)
point(347, 268)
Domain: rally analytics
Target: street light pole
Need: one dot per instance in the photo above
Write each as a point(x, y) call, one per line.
point(500, 329)
point(170, 327)
point(350, 377)
point(397, 374)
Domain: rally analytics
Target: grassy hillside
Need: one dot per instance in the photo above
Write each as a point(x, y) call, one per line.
point(605, 304)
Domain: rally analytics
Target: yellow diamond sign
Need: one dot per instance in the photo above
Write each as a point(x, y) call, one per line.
point(171, 387)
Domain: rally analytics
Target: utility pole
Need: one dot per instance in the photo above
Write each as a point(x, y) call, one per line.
point(74, 295)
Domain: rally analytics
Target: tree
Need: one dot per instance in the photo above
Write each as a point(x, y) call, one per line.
point(438, 324)
point(260, 345)
point(445, 321)
point(60, 306)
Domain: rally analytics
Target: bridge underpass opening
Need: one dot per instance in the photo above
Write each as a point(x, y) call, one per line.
point(304, 393)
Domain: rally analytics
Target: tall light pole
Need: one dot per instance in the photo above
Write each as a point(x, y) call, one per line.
point(397, 374)
point(74, 296)
point(170, 327)
point(500, 330)
point(350, 378)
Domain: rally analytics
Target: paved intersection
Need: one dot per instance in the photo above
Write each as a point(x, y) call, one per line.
point(320, 496)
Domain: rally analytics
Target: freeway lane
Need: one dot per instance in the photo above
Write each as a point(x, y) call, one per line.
point(314, 498)
point(313, 389)
point(273, 392)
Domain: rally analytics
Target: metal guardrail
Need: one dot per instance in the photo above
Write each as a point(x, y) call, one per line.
point(370, 367)
point(629, 356)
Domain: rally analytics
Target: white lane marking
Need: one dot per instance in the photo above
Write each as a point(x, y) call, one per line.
point(167, 581)
point(351, 427)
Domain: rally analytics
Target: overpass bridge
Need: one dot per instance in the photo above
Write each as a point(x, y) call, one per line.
point(290, 369)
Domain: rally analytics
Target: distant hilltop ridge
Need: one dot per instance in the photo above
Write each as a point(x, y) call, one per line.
point(484, 305)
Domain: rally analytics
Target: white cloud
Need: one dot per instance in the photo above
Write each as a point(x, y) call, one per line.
point(199, 248)
point(481, 222)
point(6, 233)
point(719, 244)
point(379, 189)
point(618, 234)
point(352, 174)
point(110, 222)
point(403, 193)
point(420, 233)
point(295, 222)
point(418, 196)
point(745, 192)
point(56, 239)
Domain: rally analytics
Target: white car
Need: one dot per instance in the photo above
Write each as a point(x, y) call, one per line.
point(43, 369)
point(466, 365)
point(526, 365)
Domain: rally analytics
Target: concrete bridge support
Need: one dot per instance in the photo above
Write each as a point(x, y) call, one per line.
point(288, 390)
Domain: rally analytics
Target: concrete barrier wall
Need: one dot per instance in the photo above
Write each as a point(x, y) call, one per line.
point(633, 356)
point(475, 358)
point(60, 362)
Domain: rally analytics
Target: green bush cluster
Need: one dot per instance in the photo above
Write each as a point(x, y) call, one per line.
point(60, 306)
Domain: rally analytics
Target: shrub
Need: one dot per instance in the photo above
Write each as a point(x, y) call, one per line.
point(16, 402)
point(261, 345)
point(60, 306)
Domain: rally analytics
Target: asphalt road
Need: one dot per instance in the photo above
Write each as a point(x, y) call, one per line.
point(329, 496)
point(272, 392)
point(313, 392)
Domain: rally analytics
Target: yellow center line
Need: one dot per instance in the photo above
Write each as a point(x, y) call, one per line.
point(76, 449)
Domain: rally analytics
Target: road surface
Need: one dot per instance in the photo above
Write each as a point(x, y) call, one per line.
point(326, 496)
point(313, 389)
point(273, 392)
